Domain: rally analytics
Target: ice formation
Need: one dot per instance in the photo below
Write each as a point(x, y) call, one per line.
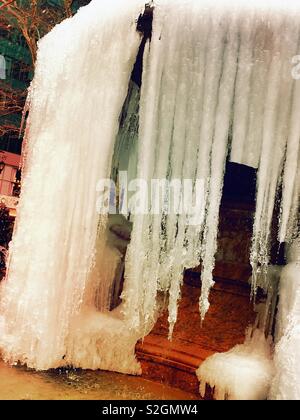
point(288, 287)
point(251, 371)
point(126, 146)
point(223, 71)
point(266, 126)
point(185, 113)
point(286, 382)
point(2, 67)
point(216, 81)
point(76, 99)
point(243, 373)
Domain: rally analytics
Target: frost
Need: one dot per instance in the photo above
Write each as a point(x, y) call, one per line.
point(243, 373)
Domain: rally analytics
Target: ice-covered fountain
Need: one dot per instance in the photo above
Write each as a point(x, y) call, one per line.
point(219, 81)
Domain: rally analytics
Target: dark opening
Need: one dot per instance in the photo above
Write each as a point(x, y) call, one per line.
point(144, 26)
point(239, 184)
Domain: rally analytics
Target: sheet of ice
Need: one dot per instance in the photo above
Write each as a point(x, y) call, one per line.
point(211, 70)
point(288, 290)
point(266, 131)
point(74, 119)
point(243, 373)
point(290, 206)
point(286, 383)
point(185, 111)
point(103, 341)
point(223, 65)
point(266, 309)
point(125, 152)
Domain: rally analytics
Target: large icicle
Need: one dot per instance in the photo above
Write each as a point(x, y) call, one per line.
point(291, 178)
point(193, 71)
point(266, 130)
point(274, 137)
point(265, 124)
point(218, 159)
point(185, 110)
point(81, 81)
point(243, 89)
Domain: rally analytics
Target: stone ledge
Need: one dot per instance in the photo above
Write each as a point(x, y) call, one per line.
point(175, 362)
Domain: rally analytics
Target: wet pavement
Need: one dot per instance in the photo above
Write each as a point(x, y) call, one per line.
point(18, 383)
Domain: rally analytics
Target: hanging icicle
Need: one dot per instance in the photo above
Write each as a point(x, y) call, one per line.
point(266, 131)
point(218, 66)
point(276, 138)
point(186, 99)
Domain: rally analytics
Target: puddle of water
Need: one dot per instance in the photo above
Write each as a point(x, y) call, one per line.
point(18, 383)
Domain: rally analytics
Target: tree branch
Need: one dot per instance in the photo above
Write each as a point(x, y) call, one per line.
point(6, 3)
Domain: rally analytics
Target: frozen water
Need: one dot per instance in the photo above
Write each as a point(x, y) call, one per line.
point(265, 127)
point(185, 111)
point(288, 290)
point(125, 152)
point(224, 70)
point(74, 119)
point(286, 383)
point(216, 81)
point(243, 373)
point(103, 341)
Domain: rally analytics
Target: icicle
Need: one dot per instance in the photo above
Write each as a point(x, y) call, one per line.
point(137, 257)
point(291, 167)
point(275, 137)
point(243, 89)
point(218, 158)
point(163, 245)
point(125, 153)
point(186, 105)
point(293, 226)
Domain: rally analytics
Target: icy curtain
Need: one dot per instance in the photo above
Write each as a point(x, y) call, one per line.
point(185, 110)
point(80, 84)
point(286, 382)
point(266, 128)
point(213, 71)
point(217, 77)
point(125, 153)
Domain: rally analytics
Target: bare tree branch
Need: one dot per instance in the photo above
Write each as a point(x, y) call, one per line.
point(6, 3)
point(33, 21)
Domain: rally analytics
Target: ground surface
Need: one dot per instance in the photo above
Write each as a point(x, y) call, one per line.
point(175, 362)
point(18, 384)
point(172, 363)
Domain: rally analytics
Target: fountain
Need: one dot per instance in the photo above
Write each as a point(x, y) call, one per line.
point(216, 84)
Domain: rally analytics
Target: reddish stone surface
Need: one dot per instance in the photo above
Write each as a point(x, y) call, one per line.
point(174, 362)
point(230, 313)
